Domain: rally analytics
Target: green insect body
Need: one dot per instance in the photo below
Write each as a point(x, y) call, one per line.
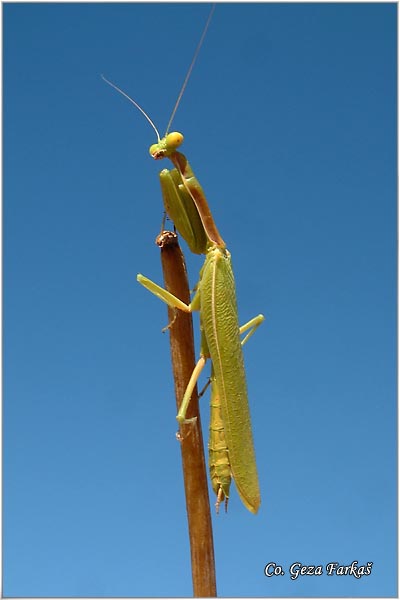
point(231, 448)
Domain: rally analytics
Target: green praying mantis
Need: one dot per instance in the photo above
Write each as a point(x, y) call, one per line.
point(231, 447)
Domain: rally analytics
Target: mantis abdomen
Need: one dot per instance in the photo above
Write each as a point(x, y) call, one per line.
point(218, 454)
point(221, 329)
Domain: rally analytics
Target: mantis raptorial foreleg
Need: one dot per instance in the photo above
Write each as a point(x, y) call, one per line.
point(182, 211)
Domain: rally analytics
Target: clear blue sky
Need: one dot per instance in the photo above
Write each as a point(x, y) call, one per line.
point(290, 124)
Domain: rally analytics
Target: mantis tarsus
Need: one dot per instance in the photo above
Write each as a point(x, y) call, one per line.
point(231, 449)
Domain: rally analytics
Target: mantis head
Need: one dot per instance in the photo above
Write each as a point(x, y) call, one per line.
point(171, 141)
point(166, 146)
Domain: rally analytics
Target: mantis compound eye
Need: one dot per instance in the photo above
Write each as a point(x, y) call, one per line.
point(173, 140)
point(156, 152)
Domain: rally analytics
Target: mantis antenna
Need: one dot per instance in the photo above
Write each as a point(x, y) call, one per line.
point(199, 45)
point(134, 103)
point(195, 55)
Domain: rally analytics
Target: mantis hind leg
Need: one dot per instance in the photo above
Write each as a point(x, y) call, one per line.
point(181, 416)
point(252, 325)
